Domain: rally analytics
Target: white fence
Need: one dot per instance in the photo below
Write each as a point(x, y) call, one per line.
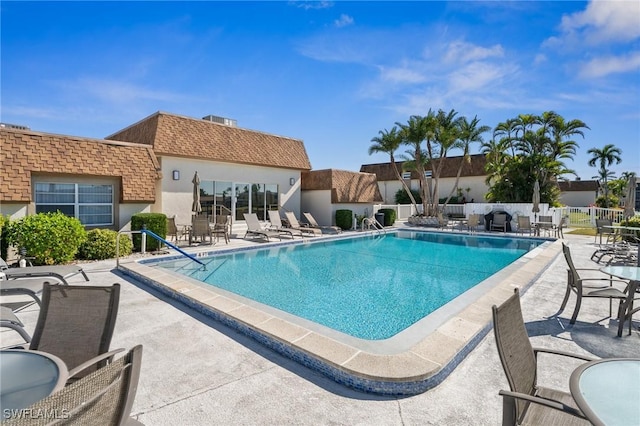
point(584, 217)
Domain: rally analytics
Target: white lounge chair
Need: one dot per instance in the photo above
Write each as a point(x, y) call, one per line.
point(254, 228)
point(276, 225)
point(314, 224)
point(294, 224)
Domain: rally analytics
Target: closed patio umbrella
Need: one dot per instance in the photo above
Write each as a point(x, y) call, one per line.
point(630, 199)
point(196, 207)
point(536, 201)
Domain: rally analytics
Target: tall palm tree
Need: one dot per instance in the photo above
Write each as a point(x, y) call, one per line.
point(388, 142)
point(605, 157)
point(469, 132)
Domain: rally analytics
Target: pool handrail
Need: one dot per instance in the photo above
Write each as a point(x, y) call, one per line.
point(159, 238)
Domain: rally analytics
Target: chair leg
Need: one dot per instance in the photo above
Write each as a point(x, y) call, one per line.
point(576, 310)
point(566, 298)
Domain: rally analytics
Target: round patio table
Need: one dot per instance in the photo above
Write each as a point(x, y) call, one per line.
point(28, 377)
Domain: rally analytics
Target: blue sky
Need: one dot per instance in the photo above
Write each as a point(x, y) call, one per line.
point(330, 73)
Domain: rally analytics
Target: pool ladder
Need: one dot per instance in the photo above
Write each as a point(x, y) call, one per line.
point(371, 223)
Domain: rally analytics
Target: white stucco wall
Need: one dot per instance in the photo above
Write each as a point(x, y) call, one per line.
point(318, 203)
point(476, 185)
point(578, 198)
point(176, 197)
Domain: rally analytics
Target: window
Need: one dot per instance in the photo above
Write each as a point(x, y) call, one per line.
point(91, 204)
point(406, 175)
point(428, 173)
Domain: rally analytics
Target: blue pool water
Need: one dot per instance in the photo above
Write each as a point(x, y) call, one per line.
point(368, 287)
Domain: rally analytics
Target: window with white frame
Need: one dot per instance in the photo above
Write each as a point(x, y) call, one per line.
point(406, 175)
point(92, 204)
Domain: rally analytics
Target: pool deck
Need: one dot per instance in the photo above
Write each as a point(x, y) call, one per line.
point(199, 371)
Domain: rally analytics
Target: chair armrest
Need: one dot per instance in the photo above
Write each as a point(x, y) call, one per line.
point(556, 405)
point(105, 356)
point(562, 353)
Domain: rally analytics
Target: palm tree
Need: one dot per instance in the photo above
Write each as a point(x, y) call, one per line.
point(605, 157)
point(389, 142)
point(469, 132)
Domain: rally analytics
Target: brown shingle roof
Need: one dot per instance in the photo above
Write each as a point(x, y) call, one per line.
point(450, 168)
point(180, 136)
point(578, 185)
point(23, 152)
point(345, 186)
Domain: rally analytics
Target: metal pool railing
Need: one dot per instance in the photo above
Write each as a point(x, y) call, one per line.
point(144, 245)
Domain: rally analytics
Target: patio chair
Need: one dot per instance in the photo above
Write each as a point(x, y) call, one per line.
point(473, 222)
point(443, 222)
point(603, 290)
point(76, 322)
point(276, 225)
point(527, 402)
point(314, 224)
point(64, 271)
point(10, 320)
point(200, 230)
point(254, 228)
point(294, 224)
point(221, 227)
point(545, 223)
point(104, 397)
point(174, 230)
point(499, 222)
point(602, 229)
point(524, 225)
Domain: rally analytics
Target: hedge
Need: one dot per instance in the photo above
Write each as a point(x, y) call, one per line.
point(154, 222)
point(344, 219)
point(101, 244)
point(389, 216)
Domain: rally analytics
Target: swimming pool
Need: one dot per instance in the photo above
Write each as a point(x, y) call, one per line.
point(412, 361)
point(370, 287)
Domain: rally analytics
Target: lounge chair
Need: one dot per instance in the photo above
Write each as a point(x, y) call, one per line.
point(10, 320)
point(76, 322)
point(314, 224)
point(526, 402)
point(294, 224)
point(254, 228)
point(30, 287)
point(524, 225)
point(64, 271)
point(104, 397)
point(499, 222)
point(276, 225)
point(603, 290)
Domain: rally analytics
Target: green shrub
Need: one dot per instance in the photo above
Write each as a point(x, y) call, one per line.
point(49, 238)
point(613, 201)
point(101, 244)
point(154, 222)
point(633, 222)
point(402, 197)
point(389, 216)
point(344, 219)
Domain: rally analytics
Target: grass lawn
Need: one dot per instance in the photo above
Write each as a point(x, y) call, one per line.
point(583, 231)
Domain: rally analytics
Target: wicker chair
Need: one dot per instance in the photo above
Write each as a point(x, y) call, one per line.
point(603, 290)
point(528, 403)
point(76, 322)
point(104, 397)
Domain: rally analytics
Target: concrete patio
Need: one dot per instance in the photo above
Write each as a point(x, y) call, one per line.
point(196, 371)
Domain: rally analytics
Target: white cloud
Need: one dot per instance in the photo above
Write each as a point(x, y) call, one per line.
point(606, 65)
point(402, 75)
point(311, 4)
point(117, 92)
point(604, 21)
point(463, 52)
point(477, 76)
point(343, 21)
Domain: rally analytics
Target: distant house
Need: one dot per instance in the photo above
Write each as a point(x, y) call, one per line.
point(578, 193)
point(472, 178)
point(149, 167)
point(325, 191)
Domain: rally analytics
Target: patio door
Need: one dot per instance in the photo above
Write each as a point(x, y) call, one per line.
point(242, 198)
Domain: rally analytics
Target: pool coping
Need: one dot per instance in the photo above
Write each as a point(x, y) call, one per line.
point(418, 368)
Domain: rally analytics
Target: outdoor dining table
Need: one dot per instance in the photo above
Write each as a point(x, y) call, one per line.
point(27, 377)
point(631, 273)
point(608, 391)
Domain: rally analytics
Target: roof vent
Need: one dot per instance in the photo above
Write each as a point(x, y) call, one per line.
point(221, 120)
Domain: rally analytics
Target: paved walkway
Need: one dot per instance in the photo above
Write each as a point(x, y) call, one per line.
point(197, 372)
